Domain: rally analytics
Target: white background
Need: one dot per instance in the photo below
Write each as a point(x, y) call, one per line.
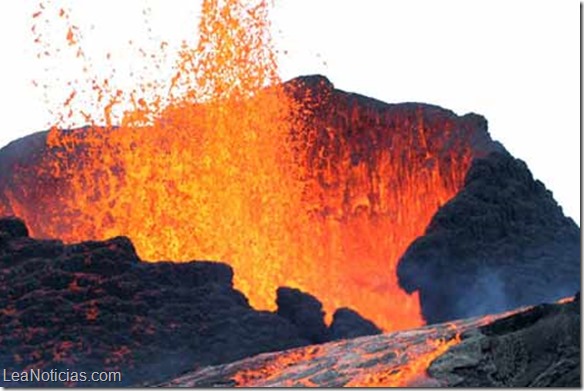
point(515, 62)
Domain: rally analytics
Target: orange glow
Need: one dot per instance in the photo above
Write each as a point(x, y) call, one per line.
point(565, 300)
point(92, 312)
point(408, 367)
point(63, 352)
point(231, 166)
point(414, 369)
point(274, 366)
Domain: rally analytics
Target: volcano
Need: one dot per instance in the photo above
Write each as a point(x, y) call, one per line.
point(367, 180)
point(378, 217)
point(362, 181)
point(222, 227)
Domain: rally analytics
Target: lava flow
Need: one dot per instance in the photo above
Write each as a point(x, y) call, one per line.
point(408, 368)
point(407, 374)
point(399, 359)
point(292, 184)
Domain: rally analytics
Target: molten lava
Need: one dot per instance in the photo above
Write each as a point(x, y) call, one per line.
point(413, 370)
point(294, 184)
point(405, 365)
point(274, 367)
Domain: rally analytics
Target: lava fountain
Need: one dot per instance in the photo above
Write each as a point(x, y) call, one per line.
point(292, 184)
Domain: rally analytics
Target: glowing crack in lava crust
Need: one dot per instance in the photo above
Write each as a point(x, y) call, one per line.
point(292, 184)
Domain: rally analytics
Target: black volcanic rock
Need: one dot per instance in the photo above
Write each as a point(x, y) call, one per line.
point(536, 348)
point(500, 243)
point(304, 311)
point(12, 227)
point(96, 306)
point(349, 324)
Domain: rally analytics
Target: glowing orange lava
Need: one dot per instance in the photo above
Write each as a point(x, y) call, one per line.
point(275, 366)
point(291, 185)
point(413, 370)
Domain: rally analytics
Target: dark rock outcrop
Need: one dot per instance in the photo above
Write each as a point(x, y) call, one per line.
point(536, 348)
point(95, 306)
point(502, 242)
point(349, 324)
point(12, 227)
point(304, 311)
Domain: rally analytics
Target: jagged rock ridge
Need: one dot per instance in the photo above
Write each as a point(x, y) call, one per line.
point(95, 306)
point(536, 348)
point(501, 243)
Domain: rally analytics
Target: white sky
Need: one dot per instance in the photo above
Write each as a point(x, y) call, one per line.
point(514, 61)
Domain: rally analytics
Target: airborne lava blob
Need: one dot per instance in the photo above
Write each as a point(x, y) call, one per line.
point(293, 184)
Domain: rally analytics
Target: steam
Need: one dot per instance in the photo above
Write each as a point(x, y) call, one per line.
point(487, 295)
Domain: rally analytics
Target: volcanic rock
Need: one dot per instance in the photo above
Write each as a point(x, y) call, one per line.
point(10, 228)
point(304, 311)
point(536, 348)
point(96, 306)
point(349, 324)
point(502, 242)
